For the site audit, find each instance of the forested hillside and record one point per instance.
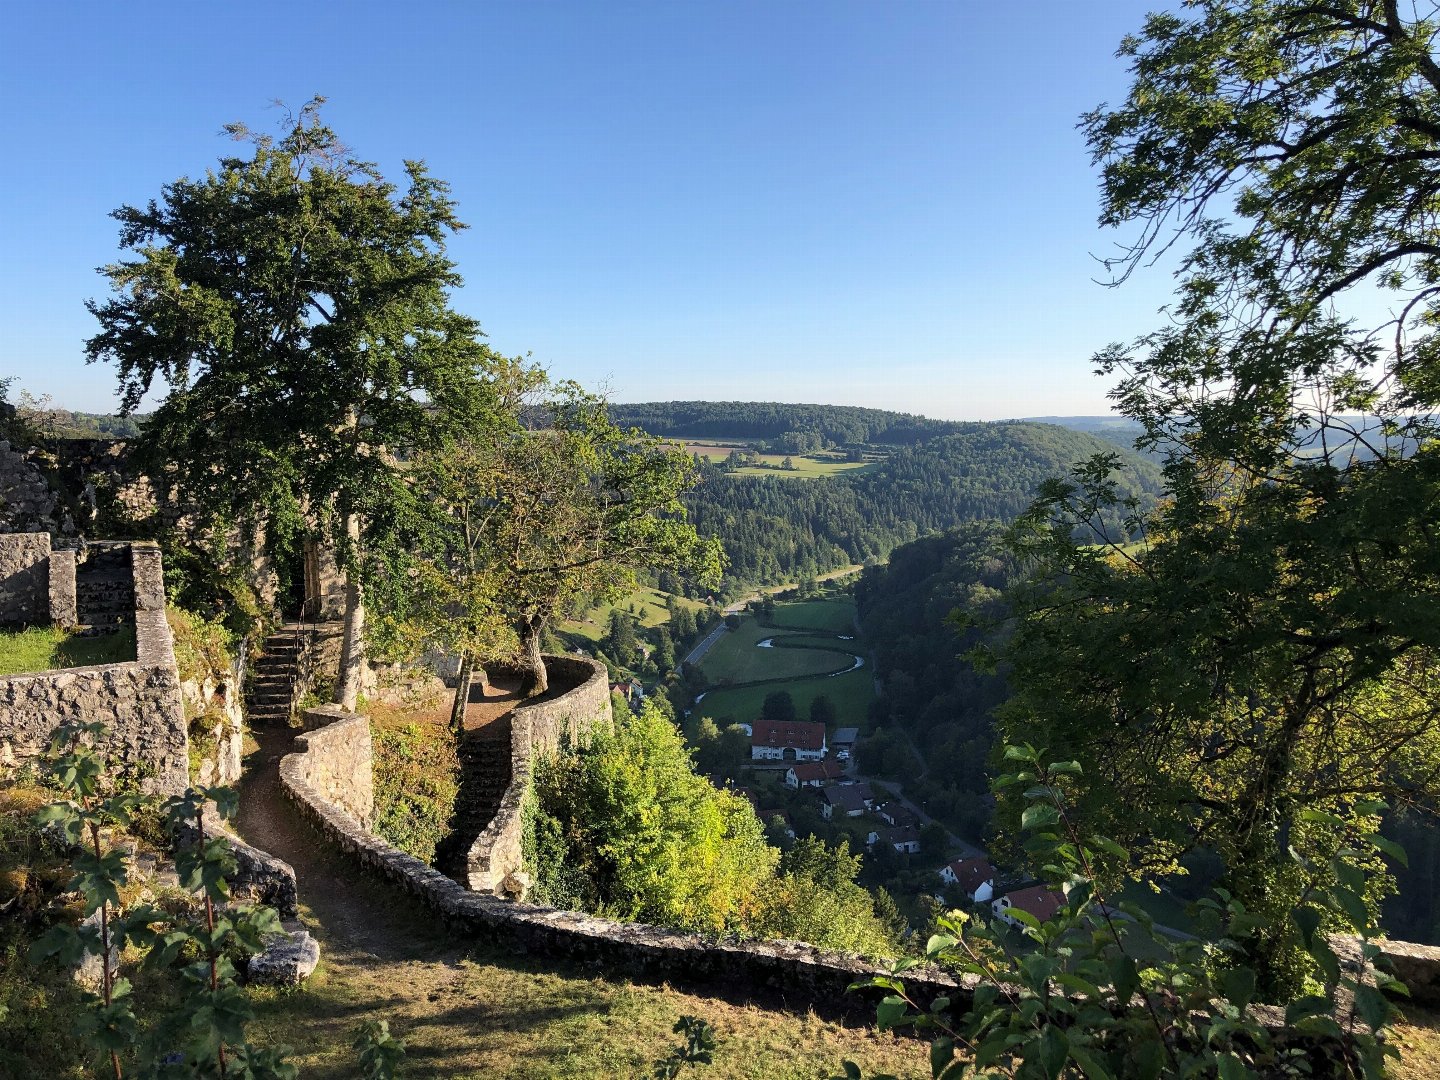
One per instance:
(776, 530)
(837, 425)
(929, 691)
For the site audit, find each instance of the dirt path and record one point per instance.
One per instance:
(357, 916)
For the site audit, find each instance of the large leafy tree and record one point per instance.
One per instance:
(1263, 664)
(293, 307)
(568, 510)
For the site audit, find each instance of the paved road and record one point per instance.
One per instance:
(695, 654)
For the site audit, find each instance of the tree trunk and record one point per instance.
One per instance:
(534, 680)
(352, 645)
(462, 695)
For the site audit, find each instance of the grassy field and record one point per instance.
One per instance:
(807, 466)
(42, 648)
(736, 658)
(850, 692)
(650, 604)
(837, 615)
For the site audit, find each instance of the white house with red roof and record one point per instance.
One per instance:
(795, 740)
(976, 878)
(1038, 900)
(813, 774)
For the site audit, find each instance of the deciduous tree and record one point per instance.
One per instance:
(293, 307)
(1268, 650)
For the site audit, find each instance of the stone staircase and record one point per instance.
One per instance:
(104, 591)
(484, 776)
(269, 690)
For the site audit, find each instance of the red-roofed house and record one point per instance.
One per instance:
(1039, 901)
(813, 774)
(798, 740)
(976, 878)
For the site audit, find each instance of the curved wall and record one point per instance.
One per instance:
(540, 725)
(314, 778)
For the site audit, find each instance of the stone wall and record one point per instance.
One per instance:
(337, 761)
(24, 578)
(27, 504)
(801, 974)
(138, 702)
(536, 729)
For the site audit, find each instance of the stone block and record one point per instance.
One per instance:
(288, 960)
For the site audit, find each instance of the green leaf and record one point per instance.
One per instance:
(938, 943)
(1310, 1005)
(1125, 977)
(1308, 920)
(1372, 1006)
(942, 1053)
(1039, 816)
(1389, 847)
(891, 1012)
(1238, 986)
(1053, 1051)
(1231, 1067)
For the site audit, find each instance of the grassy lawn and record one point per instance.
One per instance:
(850, 692)
(837, 615)
(42, 648)
(736, 658)
(649, 602)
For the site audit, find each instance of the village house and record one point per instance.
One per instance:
(896, 814)
(797, 740)
(1038, 900)
(847, 800)
(975, 877)
(845, 738)
(905, 840)
(813, 774)
(768, 816)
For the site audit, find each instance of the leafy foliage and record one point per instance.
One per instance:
(1095, 992)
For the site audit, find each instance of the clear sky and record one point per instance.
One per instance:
(881, 204)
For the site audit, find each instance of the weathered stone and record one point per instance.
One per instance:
(89, 972)
(288, 960)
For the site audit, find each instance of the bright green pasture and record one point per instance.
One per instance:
(850, 692)
(650, 603)
(42, 648)
(837, 615)
(737, 657)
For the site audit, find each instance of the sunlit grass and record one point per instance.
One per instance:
(43, 648)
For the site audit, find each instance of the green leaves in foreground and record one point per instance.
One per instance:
(1097, 993)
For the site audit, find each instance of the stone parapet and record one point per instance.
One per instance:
(536, 728)
(64, 612)
(337, 760)
(800, 973)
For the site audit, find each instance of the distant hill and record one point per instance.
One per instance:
(776, 530)
(838, 425)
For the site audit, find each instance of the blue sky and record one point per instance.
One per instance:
(881, 204)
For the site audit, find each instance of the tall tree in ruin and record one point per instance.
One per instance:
(293, 307)
(568, 511)
(1264, 664)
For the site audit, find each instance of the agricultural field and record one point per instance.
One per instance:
(742, 673)
(851, 693)
(806, 466)
(649, 603)
(738, 658)
(836, 615)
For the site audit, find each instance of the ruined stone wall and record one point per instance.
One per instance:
(337, 761)
(536, 729)
(27, 504)
(138, 702)
(24, 578)
(801, 973)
